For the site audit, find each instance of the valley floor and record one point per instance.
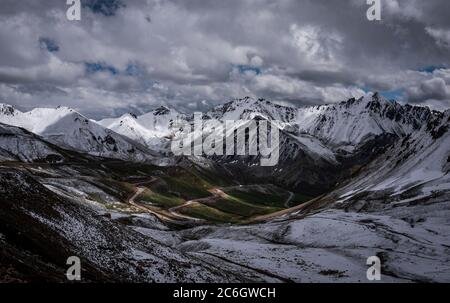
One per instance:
(50, 213)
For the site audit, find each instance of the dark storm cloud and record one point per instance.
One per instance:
(194, 54)
(435, 88)
(326, 77)
(104, 7)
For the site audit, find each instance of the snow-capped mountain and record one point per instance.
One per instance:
(318, 130)
(321, 146)
(160, 120)
(69, 129)
(346, 123)
(248, 108)
(127, 125)
(323, 133)
(353, 121)
(415, 168)
(153, 129)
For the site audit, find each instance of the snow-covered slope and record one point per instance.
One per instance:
(319, 131)
(160, 120)
(69, 129)
(248, 108)
(333, 246)
(334, 138)
(153, 129)
(346, 123)
(19, 144)
(414, 168)
(353, 121)
(128, 126)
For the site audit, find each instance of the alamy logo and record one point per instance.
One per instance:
(374, 271)
(74, 11)
(232, 137)
(74, 271)
(374, 11)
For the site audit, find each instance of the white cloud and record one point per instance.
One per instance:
(256, 61)
(188, 52)
(442, 36)
(317, 45)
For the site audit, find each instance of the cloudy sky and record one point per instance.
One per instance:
(136, 55)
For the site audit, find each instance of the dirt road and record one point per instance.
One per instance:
(172, 211)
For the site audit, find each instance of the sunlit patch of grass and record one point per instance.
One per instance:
(160, 199)
(208, 213)
(189, 186)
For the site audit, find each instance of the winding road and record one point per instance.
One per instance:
(172, 211)
(216, 193)
(173, 214)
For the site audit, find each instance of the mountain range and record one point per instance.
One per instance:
(355, 179)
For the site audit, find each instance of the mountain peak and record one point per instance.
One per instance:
(162, 110)
(127, 116)
(7, 109)
(248, 107)
(377, 97)
(61, 108)
(373, 102)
